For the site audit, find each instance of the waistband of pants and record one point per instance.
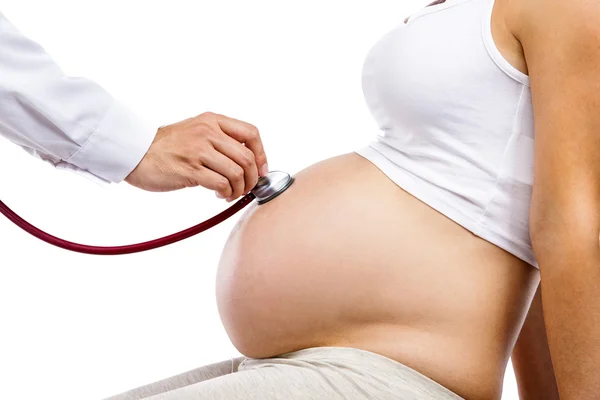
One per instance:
(368, 363)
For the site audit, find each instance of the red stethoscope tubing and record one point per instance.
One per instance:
(133, 248)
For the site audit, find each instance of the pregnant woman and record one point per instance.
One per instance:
(409, 268)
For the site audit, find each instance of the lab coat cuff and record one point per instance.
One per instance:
(82, 172)
(117, 146)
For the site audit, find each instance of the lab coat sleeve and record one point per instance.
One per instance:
(69, 122)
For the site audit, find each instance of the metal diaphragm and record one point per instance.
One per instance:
(271, 186)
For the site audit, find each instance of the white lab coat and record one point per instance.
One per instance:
(71, 123)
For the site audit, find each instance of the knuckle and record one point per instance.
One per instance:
(253, 132)
(200, 153)
(201, 149)
(238, 174)
(208, 114)
(261, 159)
(205, 131)
(248, 159)
(222, 184)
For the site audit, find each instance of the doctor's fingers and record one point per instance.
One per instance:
(211, 180)
(240, 155)
(228, 169)
(248, 134)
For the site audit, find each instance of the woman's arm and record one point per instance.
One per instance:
(561, 42)
(531, 357)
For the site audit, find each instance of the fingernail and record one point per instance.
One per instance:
(219, 195)
(229, 199)
(264, 170)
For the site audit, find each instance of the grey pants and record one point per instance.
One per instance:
(331, 373)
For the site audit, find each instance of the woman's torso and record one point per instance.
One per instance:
(456, 121)
(345, 257)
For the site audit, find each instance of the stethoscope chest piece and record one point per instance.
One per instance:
(271, 186)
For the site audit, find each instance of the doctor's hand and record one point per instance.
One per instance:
(211, 150)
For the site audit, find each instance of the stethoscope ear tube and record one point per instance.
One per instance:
(267, 188)
(133, 248)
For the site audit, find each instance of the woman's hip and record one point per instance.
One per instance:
(333, 373)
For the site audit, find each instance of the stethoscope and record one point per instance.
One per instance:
(267, 188)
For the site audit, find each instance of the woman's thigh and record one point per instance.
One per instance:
(202, 374)
(333, 373)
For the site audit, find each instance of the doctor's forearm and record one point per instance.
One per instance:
(76, 125)
(69, 122)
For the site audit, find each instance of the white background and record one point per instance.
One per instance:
(74, 326)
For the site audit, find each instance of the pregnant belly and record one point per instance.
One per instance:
(347, 258)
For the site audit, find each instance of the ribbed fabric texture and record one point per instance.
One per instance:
(456, 121)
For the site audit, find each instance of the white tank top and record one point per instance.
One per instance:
(456, 121)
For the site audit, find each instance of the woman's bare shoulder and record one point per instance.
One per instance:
(522, 16)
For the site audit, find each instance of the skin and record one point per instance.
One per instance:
(210, 150)
(298, 273)
(393, 297)
(456, 325)
(562, 48)
(531, 359)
